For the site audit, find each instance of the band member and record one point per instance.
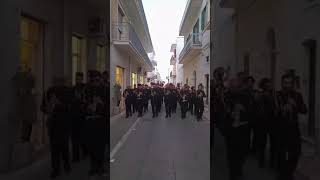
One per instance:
(96, 124)
(174, 100)
(199, 103)
(159, 97)
(56, 105)
(127, 94)
(236, 126)
(154, 102)
(77, 110)
(184, 102)
(134, 99)
(146, 95)
(168, 97)
(289, 103)
(192, 104)
(266, 125)
(140, 100)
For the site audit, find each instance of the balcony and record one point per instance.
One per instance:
(125, 37)
(173, 60)
(192, 48)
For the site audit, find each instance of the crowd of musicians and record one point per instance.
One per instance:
(77, 115)
(262, 122)
(190, 99)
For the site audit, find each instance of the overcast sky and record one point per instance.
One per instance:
(164, 18)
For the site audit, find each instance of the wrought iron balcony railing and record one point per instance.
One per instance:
(193, 41)
(125, 32)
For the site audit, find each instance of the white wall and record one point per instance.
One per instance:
(180, 45)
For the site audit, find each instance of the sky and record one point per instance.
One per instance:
(164, 18)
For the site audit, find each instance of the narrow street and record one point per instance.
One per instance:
(162, 148)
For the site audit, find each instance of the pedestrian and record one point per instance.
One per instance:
(140, 99)
(199, 103)
(184, 102)
(266, 123)
(289, 104)
(127, 94)
(192, 104)
(168, 97)
(236, 127)
(154, 102)
(96, 124)
(56, 106)
(77, 110)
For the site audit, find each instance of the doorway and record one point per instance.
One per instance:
(32, 58)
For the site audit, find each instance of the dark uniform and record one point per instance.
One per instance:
(199, 104)
(140, 102)
(289, 147)
(159, 99)
(236, 130)
(266, 126)
(154, 103)
(184, 98)
(127, 94)
(168, 100)
(134, 100)
(77, 110)
(96, 124)
(192, 103)
(174, 100)
(56, 104)
(146, 95)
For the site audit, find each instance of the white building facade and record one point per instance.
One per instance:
(130, 45)
(195, 56)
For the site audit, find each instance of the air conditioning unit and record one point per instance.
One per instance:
(97, 27)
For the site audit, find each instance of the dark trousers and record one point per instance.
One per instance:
(134, 107)
(145, 105)
(199, 111)
(168, 109)
(140, 108)
(97, 158)
(154, 110)
(289, 149)
(59, 151)
(184, 109)
(192, 107)
(128, 109)
(264, 133)
(174, 107)
(237, 143)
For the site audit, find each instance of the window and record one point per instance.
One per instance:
(101, 58)
(207, 58)
(76, 56)
(119, 76)
(141, 80)
(134, 79)
(30, 36)
(196, 32)
(203, 18)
